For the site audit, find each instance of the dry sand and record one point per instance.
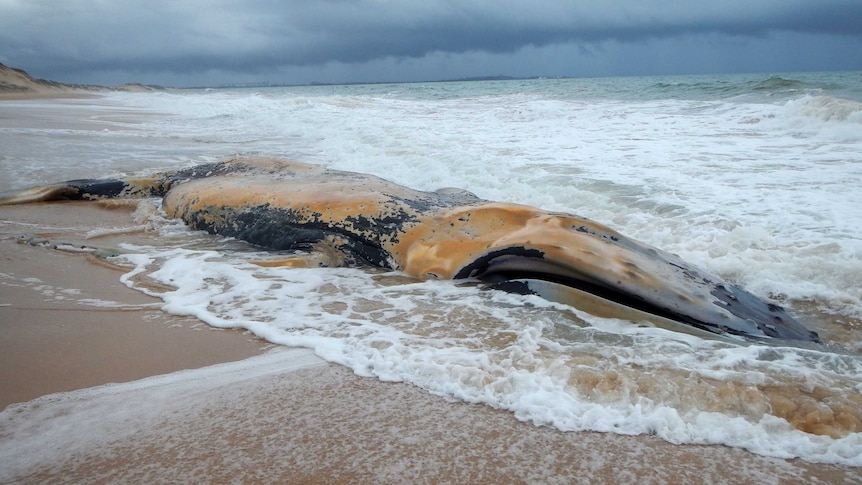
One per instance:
(283, 417)
(17, 84)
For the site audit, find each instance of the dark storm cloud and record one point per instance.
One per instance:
(188, 36)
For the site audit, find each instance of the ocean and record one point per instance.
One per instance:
(753, 177)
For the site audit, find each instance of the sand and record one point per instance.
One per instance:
(17, 84)
(52, 342)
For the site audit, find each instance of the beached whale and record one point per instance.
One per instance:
(446, 234)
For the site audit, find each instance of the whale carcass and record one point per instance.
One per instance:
(445, 234)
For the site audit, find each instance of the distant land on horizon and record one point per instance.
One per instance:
(18, 83)
(315, 83)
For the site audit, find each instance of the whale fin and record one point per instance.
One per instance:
(601, 307)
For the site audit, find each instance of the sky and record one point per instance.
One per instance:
(187, 43)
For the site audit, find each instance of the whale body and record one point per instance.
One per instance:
(446, 234)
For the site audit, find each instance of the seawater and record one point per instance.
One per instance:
(753, 177)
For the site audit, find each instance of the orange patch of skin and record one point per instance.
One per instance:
(444, 243)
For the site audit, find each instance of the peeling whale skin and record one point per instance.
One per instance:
(446, 234)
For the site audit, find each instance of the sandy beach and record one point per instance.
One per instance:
(129, 411)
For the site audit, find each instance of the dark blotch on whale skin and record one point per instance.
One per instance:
(585, 230)
(206, 170)
(285, 229)
(748, 307)
(87, 189)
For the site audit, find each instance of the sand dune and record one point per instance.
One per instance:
(17, 84)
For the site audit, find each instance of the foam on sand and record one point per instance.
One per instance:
(287, 417)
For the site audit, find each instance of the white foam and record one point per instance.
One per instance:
(487, 347)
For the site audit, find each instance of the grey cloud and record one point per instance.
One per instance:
(259, 35)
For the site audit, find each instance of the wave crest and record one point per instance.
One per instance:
(826, 108)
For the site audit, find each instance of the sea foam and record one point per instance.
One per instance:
(548, 365)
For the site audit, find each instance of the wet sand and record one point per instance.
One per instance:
(69, 323)
(276, 416)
